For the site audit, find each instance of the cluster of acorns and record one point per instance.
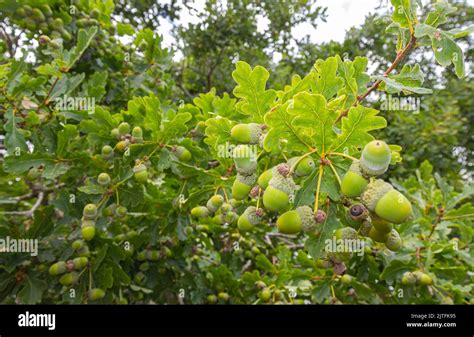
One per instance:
(41, 18)
(416, 277)
(381, 205)
(69, 269)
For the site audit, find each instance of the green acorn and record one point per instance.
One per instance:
(292, 222)
(140, 173)
(80, 262)
(58, 268)
(89, 212)
(380, 224)
(244, 159)
(200, 212)
(279, 192)
(353, 183)
(389, 204)
(226, 207)
(365, 227)
(124, 128)
(212, 299)
(265, 295)
(38, 15)
(242, 186)
(94, 14)
(122, 145)
(377, 236)
(249, 219)
(346, 233)
(78, 244)
(215, 202)
(83, 251)
(107, 152)
(375, 158)
(69, 278)
(264, 178)
(304, 168)
(88, 229)
(422, 278)
(46, 10)
(246, 133)
(115, 133)
(230, 217)
(393, 242)
(182, 153)
(137, 135)
(104, 179)
(58, 23)
(346, 279)
(408, 278)
(66, 35)
(152, 255)
(120, 211)
(96, 294)
(223, 296)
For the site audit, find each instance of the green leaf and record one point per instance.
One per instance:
(297, 85)
(409, 79)
(315, 244)
(326, 82)
(22, 163)
(264, 263)
(404, 12)
(104, 277)
(394, 86)
(32, 291)
(279, 122)
(439, 15)
(14, 138)
(91, 188)
(354, 78)
(84, 38)
(175, 127)
(395, 269)
(446, 51)
(255, 100)
(356, 127)
(218, 131)
(313, 119)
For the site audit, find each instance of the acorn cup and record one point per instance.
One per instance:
(279, 192)
(375, 158)
(305, 166)
(294, 221)
(386, 202)
(353, 183)
(89, 212)
(249, 219)
(104, 179)
(182, 153)
(246, 133)
(394, 241)
(242, 186)
(124, 128)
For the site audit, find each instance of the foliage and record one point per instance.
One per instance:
(162, 158)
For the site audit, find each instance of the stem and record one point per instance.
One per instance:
(454, 217)
(318, 188)
(400, 56)
(342, 155)
(335, 173)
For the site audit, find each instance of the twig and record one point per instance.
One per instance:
(32, 210)
(400, 56)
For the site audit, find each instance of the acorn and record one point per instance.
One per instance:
(380, 224)
(215, 202)
(244, 159)
(408, 278)
(104, 179)
(279, 192)
(200, 212)
(58, 268)
(124, 128)
(107, 152)
(365, 227)
(182, 153)
(377, 236)
(294, 221)
(69, 278)
(242, 186)
(353, 183)
(249, 219)
(140, 173)
(305, 166)
(264, 178)
(89, 212)
(120, 211)
(137, 135)
(80, 262)
(393, 242)
(375, 158)
(88, 229)
(346, 279)
(96, 294)
(345, 233)
(389, 204)
(422, 278)
(246, 133)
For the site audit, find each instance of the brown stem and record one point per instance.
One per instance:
(400, 56)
